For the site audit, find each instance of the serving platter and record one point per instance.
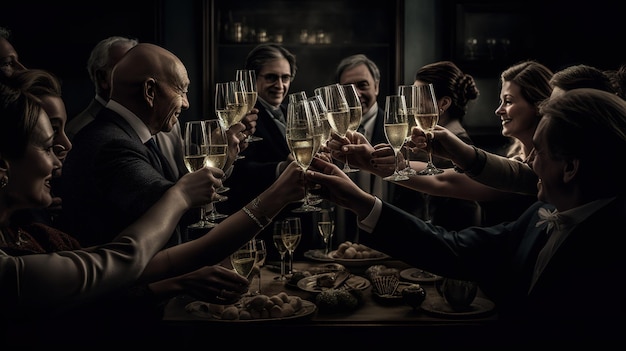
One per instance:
(437, 306)
(201, 309)
(417, 275)
(355, 282)
(357, 262)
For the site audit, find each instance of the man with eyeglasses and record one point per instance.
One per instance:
(265, 160)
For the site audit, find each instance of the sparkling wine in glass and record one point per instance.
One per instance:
(248, 77)
(325, 221)
(396, 126)
(231, 104)
(410, 96)
(216, 155)
(355, 116)
(277, 239)
(426, 118)
(291, 235)
(334, 98)
(195, 152)
(244, 258)
(301, 138)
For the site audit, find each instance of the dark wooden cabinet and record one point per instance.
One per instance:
(319, 32)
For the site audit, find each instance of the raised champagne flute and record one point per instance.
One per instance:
(248, 77)
(194, 148)
(291, 235)
(277, 239)
(410, 96)
(396, 126)
(216, 155)
(356, 114)
(426, 118)
(231, 103)
(334, 98)
(301, 138)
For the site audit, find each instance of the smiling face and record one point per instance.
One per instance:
(366, 87)
(30, 175)
(518, 116)
(171, 99)
(55, 108)
(274, 91)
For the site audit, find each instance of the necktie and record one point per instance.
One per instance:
(156, 153)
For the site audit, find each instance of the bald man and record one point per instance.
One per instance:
(111, 177)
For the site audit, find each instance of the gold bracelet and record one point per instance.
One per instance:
(256, 220)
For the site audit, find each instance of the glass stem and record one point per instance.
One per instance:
(282, 266)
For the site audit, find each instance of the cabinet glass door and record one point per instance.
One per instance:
(318, 32)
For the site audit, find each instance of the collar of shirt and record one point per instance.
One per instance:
(135, 122)
(275, 111)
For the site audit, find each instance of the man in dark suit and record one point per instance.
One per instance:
(112, 175)
(536, 268)
(364, 74)
(264, 160)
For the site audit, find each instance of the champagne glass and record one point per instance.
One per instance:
(426, 118)
(410, 96)
(325, 220)
(300, 137)
(334, 98)
(322, 124)
(322, 113)
(216, 155)
(194, 145)
(291, 234)
(261, 254)
(356, 114)
(231, 104)
(396, 126)
(248, 77)
(243, 259)
(277, 239)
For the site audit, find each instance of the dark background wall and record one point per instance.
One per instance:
(58, 36)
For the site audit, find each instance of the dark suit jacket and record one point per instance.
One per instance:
(109, 180)
(580, 294)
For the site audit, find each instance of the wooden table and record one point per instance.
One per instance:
(371, 324)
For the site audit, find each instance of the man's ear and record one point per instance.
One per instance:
(570, 169)
(149, 90)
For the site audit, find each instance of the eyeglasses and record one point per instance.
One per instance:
(273, 78)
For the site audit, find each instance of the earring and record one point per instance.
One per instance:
(440, 110)
(4, 181)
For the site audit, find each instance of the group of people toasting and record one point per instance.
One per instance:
(107, 264)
